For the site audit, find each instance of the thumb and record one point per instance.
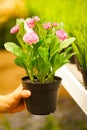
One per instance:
(24, 94)
(21, 94)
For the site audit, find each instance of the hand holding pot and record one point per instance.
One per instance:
(14, 102)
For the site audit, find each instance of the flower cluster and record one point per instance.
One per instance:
(40, 50)
(31, 37)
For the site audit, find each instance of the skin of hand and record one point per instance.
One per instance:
(14, 102)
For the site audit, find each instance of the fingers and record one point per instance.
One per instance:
(25, 93)
(21, 93)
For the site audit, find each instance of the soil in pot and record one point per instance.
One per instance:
(43, 99)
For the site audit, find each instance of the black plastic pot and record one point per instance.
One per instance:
(43, 99)
(84, 75)
(77, 62)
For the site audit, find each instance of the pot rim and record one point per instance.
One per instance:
(56, 80)
(41, 87)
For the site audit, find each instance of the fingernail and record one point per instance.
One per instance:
(28, 93)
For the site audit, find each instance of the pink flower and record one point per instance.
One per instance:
(14, 29)
(54, 24)
(47, 25)
(31, 37)
(30, 22)
(36, 18)
(61, 34)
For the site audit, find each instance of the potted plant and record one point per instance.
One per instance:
(80, 47)
(40, 53)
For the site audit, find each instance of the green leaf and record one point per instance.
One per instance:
(43, 70)
(65, 43)
(32, 63)
(59, 60)
(56, 61)
(21, 33)
(19, 21)
(20, 62)
(43, 52)
(54, 45)
(13, 48)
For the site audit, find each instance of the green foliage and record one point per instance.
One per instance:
(43, 58)
(80, 44)
(68, 11)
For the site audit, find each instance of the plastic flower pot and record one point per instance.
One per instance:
(43, 99)
(84, 75)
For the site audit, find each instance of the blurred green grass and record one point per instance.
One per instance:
(71, 12)
(68, 11)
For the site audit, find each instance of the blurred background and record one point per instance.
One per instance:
(73, 13)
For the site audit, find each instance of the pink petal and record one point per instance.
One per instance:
(61, 34)
(47, 25)
(31, 37)
(30, 22)
(14, 29)
(36, 18)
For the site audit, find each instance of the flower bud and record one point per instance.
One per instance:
(36, 18)
(30, 22)
(61, 34)
(47, 25)
(31, 37)
(14, 29)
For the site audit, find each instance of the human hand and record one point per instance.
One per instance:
(14, 102)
